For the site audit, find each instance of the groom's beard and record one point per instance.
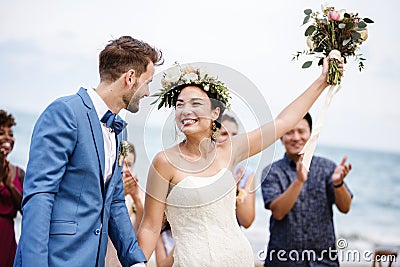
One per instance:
(133, 104)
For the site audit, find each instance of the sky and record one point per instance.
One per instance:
(50, 48)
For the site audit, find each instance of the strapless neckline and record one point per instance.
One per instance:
(221, 171)
(203, 177)
(204, 187)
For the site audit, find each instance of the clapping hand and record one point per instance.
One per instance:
(131, 185)
(4, 168)
(301, 170)
(340, 172)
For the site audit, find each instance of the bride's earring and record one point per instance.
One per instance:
(215, 131)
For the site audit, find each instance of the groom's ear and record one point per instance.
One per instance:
(130, 77)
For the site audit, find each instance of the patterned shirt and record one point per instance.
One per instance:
(309, 224)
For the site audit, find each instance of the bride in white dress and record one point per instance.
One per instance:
(192, 182)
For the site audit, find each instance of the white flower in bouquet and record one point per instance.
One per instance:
(364, 35)
(341, 13)
(325, 8)
(335, 54)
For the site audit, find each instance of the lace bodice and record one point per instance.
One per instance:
(201, 212)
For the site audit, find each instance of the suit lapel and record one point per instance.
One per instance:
(96, 132)
(118, 139)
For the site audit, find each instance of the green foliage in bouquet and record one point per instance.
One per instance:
(334, 30)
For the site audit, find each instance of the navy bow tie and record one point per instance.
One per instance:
(113, 121)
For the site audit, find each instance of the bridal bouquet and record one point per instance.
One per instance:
(335, 33)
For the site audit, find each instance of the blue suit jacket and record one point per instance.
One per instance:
(68, 212)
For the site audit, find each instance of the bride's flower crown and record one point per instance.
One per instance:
(174, 79)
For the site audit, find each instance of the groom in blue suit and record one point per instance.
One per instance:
(73, 195)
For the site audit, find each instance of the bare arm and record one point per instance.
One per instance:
(247, 145)
(283, 204)
(154, 205)
(162, 258)
(139, 212)
(342, 195)
(245, 209)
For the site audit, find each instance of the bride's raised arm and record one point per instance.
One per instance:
(248, 144)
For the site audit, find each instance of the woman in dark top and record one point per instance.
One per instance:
(11, 178)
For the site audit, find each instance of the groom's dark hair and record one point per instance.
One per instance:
(126, 53)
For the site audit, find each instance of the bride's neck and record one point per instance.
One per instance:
(197, 147)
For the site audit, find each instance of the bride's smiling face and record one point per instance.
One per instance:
(193, 111)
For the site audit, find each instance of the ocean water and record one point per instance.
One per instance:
(373, 221)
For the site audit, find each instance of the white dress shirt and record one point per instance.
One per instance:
(110, 144)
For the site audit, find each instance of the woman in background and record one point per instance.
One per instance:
(11, 179)
(245, 196)
(133, 199)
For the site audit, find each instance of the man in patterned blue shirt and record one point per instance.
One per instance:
(301, 225)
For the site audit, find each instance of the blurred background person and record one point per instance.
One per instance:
(245, 200)
(133, 199)
(301, 202)
(133, 195)
(11, 180)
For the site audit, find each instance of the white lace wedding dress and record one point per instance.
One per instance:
(201, 212)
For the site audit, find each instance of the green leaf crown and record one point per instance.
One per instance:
(177, 77)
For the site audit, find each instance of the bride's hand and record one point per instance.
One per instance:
(325, 67)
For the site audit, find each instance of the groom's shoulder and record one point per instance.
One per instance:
(67, 100)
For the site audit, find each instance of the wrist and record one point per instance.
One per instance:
(136, 198)
(339, 184)
(9, 186)
(322, 81)
(300, 182)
